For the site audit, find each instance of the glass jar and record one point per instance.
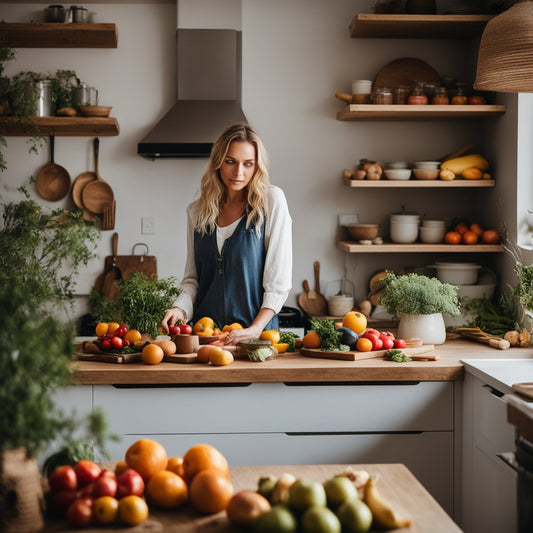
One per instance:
(440, 97)
(382, 96)
(400, 94)
(417, 96)
(460, 97)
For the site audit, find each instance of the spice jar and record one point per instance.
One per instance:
(417, 96)
(460, 97)
(440, 97)
(400, 94)
(382, 96)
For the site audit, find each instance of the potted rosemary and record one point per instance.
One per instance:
(419, 302)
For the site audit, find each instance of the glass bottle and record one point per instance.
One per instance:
(460, 97)
(417, 95)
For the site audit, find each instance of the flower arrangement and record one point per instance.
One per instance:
(415, 294)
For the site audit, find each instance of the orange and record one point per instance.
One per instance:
(203, 353)
(112, 327)
(476, 228)
(202, 457)
(175, 464)
(461, 228)
(132, 510)
(203, 323)
(220, 357)
(470, 237)
(147, 457)
(491, 236)
(132, 336)
(271, 335)
(281, 347)
(231, 327)
(120, 467)
(355, 321)
(453, 237)
(210, 491)
(101, 329)
(152, 354)
(166, 489)
(311, 340)
(105, 509)
(363, 345)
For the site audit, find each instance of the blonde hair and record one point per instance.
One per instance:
(213, 190)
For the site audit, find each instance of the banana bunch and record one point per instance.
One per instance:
(383, 513)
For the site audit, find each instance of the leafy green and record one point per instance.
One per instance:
(414, 294)
(492, 318)
(397, 356)
(290, 338)
(329, 337)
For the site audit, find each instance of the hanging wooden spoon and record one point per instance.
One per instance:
(97, 193)
(53, 181)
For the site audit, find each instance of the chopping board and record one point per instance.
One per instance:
(525, 389)
(416, 352)
(183, 358)
(405, 71)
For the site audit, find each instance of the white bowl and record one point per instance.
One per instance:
(397, 164)
(427, 165)
(403, 233)
(465, 274)
(434, 223)
(398, 173)
(432, 235)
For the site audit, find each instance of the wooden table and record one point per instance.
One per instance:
(396, 484)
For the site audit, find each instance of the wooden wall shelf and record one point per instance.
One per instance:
(60, 126)
(354, 247)
(57, 35)
(419, 184)
(418, 112)
(417, 26)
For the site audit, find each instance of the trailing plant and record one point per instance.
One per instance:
(141, 304)
(414, 294)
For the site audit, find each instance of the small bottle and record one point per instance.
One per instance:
(460, 97)
(382, 96)
(440, 97)
(417, 96)
(400, 94)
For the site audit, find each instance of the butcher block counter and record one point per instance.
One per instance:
(294, 368)
(396, 484)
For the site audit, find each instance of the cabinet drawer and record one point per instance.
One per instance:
(277, 407)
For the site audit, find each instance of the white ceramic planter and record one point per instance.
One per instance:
(429, 328)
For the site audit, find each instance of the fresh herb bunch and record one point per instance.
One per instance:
(492, 318)
(414, 294)
(397, 356)
(290, 338)
(330, 338)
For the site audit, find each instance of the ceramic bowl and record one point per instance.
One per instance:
(360, 232)
(398, 173)
(434, 223)
(403, 233)
(432, 235)
(427, 165)
(397, 164)
(422, 174)
(457, 273)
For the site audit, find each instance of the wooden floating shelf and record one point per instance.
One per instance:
(418, 184)
(418, 112)
(417, 26)
(354, 247)
(61, 126)
(58, 35)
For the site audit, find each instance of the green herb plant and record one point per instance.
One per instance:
(414, 294)
(330, 338)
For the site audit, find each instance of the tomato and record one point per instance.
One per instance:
(87, 471)
(63, 478)
(105, 510)
(185, 329)
(470, 237)
(132, 510)
(387, 341)
(476, 100)
(271, 335)
(399, 343)
(174, 330)
(355, 321)
(105, 486)
(121, 331)
(116, 342)
(491, 236)
(453, 237)
(125, 342)
(79, 514)
(58, 502)
(87, 491)
(106, 345)
(129, 482)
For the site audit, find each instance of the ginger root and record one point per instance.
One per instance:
(525, 338)
(373, 169)
(513, 337)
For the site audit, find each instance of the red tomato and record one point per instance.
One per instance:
(129, 482)
(387, 334)
(174, 330)
(106, 345)
(117, 343)
(105, 486)
(87, 491)
(387, 342)
(476, 100)
(87, 471)
(58, 502)
(125, 342)
(79, 514)
(185, 329)
(63, 478)
(399, 343)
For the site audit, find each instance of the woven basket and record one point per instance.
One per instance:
(505, 60)
(21, 493)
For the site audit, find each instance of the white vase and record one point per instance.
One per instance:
(429, 328)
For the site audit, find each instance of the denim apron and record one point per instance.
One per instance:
(230, 283)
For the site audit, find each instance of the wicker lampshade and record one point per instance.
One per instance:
(505, 61)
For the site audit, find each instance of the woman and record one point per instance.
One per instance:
(239, 242)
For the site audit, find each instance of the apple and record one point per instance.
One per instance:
(173, 330)
(63, 478)
(129, 482)
(79, 514)
(476, 100)
(106, 345)
(105, 486)
(87, 471)
(58, 502)
(399, 343)
(185, 329)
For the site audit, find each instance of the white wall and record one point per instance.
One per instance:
(296, 55)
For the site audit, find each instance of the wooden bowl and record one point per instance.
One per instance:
(186, 343)
(208, 339)
(361, 232)
(95, 110)
(422, 174)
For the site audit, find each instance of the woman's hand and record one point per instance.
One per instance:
(171, 317)
(240, 335)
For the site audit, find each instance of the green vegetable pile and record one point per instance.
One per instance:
(290, 338)
(397, 356)
(331, 339)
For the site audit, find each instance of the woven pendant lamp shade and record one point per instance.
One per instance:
(505, 61)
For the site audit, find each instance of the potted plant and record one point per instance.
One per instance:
(419, 302)
(41, 253)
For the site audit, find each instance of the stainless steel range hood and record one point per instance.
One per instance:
(208, 95)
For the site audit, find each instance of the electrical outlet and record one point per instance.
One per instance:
(148, 225)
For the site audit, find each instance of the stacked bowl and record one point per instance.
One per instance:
(404, 227)
(432, 231)
(426, 170)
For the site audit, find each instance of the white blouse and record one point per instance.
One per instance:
(277, 276)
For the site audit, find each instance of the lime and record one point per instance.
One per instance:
(318, 519)
(278, 520)
(355, 516)
(338, 490)
(304, 493)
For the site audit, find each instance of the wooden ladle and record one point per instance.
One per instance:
(53, 181)
(97, 194)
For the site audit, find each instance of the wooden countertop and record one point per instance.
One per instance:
(297, 369)
(396, 484)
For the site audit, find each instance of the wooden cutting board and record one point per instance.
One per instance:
(525, 389)
(110, 357)
(183, 358)
(416, 352)
(405, 71)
